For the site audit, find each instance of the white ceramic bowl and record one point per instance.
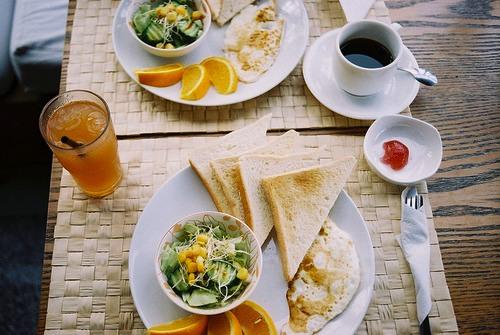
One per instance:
(201, 5)
(423, 142)
(232, 224)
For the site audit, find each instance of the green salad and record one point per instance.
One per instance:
(168, 24)
(208, 263)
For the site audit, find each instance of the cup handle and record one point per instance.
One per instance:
(396, 26)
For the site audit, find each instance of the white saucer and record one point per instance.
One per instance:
(319, 66)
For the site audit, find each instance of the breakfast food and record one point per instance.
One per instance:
(192, 324)
(234, 143)
(222, 74)
(195, 82)
(325, 283)
(252, 41)
(160, 76)
(168, 24)
(208, 263)
(229, 8)
(226, 169)
(224, 324)
(300, 202)
(396, 154)
(254, 319)
(252, 168)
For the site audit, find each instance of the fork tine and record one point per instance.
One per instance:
(421, 201)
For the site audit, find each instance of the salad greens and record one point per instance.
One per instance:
(207, 264)
(168, 24)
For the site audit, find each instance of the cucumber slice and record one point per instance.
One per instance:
(177, 282)
(221, 273)
(153, 33)
(141, 22)
(201, 297)
(242, 257)
(192, 31)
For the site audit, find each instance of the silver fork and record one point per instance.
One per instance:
(414, 200)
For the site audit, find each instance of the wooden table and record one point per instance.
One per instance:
(459, 41)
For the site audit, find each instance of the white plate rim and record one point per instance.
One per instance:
(307, 73)
(368, 276)
(261, 85)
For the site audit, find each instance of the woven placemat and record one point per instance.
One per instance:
(89, 287)
(93, 65)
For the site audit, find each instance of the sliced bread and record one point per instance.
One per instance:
(300, 202)
(229, 8)
(226, 169)
(251, 170)
(238, 141)
(215, 7)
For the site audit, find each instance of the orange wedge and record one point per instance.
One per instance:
(190, 325)
(195, 82)
(254, 319)
(223, 324)
(160, 76)
(222, 74)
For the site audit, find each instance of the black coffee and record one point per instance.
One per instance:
(366, 53)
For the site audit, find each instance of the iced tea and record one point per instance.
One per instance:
(79, 131)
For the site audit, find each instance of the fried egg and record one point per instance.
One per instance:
(325, 283)
(252, 41)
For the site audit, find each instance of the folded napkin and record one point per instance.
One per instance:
(356, 9)
(414, 241)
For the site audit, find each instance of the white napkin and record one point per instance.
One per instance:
(414, 241)
(356, 9)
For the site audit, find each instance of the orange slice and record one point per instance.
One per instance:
(195, 82)
(254, 319)
(222, 74)
(160, 76)
(190, 325)
(223, 324)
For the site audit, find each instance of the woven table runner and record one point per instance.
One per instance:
(93, 65)
(89, 286)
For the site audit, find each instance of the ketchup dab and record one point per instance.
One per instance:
(395, 154)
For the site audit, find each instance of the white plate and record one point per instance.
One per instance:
(184, 194)
(319, 66)
(131, 56)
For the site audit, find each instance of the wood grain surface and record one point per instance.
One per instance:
(459, 41)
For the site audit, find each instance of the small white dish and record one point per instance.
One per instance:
(230, 223)
(421, 138)
(319, 65)
(201, 5)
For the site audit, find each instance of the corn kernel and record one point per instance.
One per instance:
(197, 15)
(170, 7)
(202, 239)
(169, 46)
(191, 267)
(203, 252)
(181, 10)
(182, 257)
(200, 267)
(199, 260)
(188, 261)
(242, 274)
(189, 252)
(191, 279)
(161, 11)
(171, 16)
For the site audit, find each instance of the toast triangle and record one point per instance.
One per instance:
(241, 140)
(251, 170)
(226, 169)
(300, 202)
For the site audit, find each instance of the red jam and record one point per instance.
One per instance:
(395, 154)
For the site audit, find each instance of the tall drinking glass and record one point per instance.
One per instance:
(78, 129)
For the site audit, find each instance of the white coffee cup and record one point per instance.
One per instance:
(364, 81)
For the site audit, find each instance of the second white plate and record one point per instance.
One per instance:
(131, 56)
(184, 194)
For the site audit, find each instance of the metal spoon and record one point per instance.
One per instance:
(421, 75)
